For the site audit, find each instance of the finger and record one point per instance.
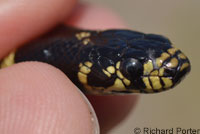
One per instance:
(113, 22)
(94, 17)
(110, 110)
(22, 20)
(38, 98)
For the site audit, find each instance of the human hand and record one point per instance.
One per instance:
(38, 98)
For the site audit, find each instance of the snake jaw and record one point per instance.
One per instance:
(165, 71)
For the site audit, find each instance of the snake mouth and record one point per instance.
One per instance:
(165, 78)
(157, 83)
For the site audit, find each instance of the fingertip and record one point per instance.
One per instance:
(36, 97)
(94, 17)
(23, 20)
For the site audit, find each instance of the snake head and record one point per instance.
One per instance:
(153, 65)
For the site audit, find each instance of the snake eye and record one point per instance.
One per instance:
(131, 68)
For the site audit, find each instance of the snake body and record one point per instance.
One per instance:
(113, 61)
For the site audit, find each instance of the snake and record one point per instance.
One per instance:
(107, 62)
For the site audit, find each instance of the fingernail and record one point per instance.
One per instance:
(93, 115)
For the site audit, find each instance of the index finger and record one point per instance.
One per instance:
(22, 20)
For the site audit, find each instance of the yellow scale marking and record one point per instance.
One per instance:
(119, 74)
(185, 65)
(172, 51)
(8, 60)
(80, 65)
(168, 82)
(82, 35)
(118, 65)
(161, 59)
(86, 41)
(147, 84)
(154, 72)
(88, 64)
(182, 56)
(173, 63)
(161, 71)
(148, 67)
(117, 86)
(155, 82)
(106, 73)
(82, 78)
(126, 81)
(111, 69)
(85, 70)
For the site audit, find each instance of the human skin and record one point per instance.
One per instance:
(37, 98)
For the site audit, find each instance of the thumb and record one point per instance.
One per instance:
(36, 98)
